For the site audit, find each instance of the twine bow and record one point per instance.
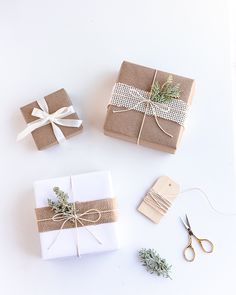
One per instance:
(77, 214)
(53, 119)
(76, 217)
(175, 111)
(149, 104)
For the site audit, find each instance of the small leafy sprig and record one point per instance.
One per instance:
(154, 263)
(62, 205)
(165, 92)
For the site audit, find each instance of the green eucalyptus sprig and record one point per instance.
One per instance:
(61, 205)
(165, 92)
(153, 263)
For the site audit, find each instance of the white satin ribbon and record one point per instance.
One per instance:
(53, 119)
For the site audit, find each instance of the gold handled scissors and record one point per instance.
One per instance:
(205, 244)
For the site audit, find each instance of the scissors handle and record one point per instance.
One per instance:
(189, 253)
(206, 245)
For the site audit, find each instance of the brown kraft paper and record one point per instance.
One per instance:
(44, 136)
(126, 125)
(102, 205)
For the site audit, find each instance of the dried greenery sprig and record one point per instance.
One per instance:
(154, 263)
(165, 92)
(62, 205)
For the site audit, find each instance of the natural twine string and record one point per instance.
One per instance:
(76, 218)
(161, 204)
(148, 102)
(203, 193)
(157, 201)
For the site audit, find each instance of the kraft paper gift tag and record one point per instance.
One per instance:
(159, 198)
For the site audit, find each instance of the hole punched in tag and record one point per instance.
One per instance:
(159, 199)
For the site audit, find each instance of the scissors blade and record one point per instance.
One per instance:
(183, 222)
(187, 220)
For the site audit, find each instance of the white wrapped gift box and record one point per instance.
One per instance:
(86, 187)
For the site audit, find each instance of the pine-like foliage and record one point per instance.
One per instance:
(154, 263)
(165, 92)
(61, 205)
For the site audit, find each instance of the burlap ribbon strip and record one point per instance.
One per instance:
(84, 214)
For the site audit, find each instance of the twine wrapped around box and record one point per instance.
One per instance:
(136, 114)
(132, 98)
(75, 215)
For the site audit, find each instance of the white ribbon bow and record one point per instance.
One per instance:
(53, 119)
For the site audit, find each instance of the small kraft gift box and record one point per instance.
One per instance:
(76, 215)
(50, 120)
(149, 107)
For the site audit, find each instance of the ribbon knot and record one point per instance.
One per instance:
(131, 98)
(75, 216)
(56, 118)
(149, 104)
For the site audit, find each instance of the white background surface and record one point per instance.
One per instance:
(79, 45)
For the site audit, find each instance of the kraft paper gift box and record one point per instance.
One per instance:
(90, 191)
(126, 118)
(46, 135)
